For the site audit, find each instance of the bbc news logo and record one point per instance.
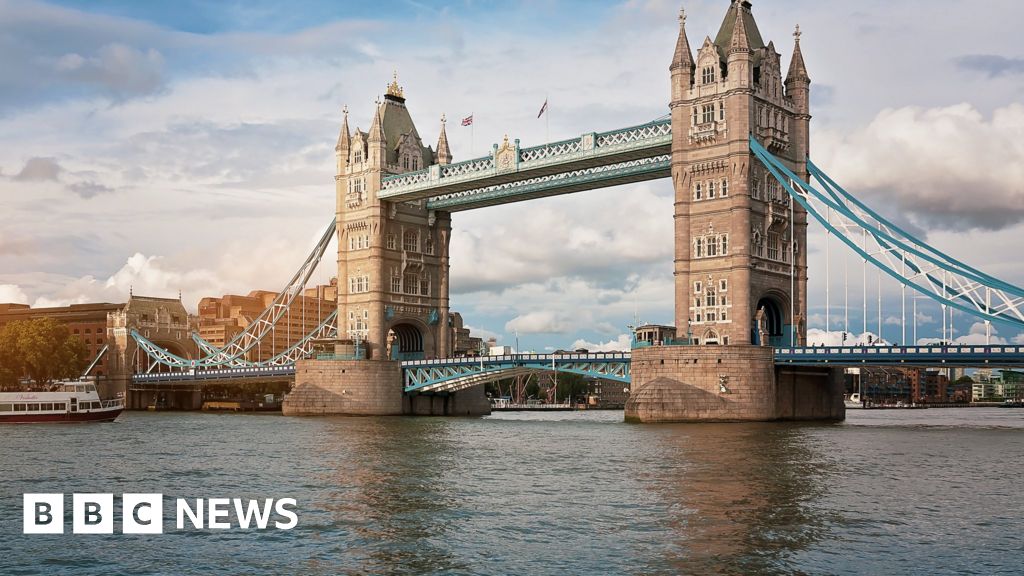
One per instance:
(144, 514)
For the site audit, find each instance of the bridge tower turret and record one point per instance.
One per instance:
(392, 256)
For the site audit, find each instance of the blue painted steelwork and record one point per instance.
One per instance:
(215, 374)
(511, 165)
(232, 354)
(901, 256)
(326, 329)
(914, 356)
(553, 184)
(453, 374)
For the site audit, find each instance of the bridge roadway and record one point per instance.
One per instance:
(454, 374)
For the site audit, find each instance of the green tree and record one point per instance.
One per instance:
(42, 349)
(571, 386)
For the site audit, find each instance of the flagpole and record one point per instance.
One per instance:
(547, 119)
(472, 129)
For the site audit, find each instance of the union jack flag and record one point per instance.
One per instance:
(468, 120)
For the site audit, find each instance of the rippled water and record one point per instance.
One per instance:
(887, 492)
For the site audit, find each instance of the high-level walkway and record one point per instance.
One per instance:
(511, 174)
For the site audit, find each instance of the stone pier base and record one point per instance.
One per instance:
(345, 387)
(728, 384)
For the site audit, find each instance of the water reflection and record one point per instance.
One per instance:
(741, 497)
(387, 494)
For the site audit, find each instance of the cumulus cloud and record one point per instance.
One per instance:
(992, 65)
(13, 294)
(818, 337)
(620, 344)
(39, 170)
(975, 336)
(947, 167)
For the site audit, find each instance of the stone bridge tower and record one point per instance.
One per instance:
(392, 256)
(741, 258)
(740, 244)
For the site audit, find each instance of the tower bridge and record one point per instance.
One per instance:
(736, 146)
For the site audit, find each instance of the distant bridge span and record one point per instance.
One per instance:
(447, 375)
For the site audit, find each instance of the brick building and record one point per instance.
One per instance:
(221, 319)
(86, 321)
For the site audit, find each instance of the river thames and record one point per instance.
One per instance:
(887, 492)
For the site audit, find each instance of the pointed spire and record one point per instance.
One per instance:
(376, 133)
(797, 69)
(443, 155)
(344, 138)
(683, 58)
(740, 42)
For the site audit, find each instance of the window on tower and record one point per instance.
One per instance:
(698, 192)
(723, 190)
(412, 284)
(411, 241)
(707, 75)
(708, 112)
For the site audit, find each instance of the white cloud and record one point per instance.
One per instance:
(620, 344)
(1019, 338)
(975, 336)
(818, 337)
(13, 294)
(947, 166)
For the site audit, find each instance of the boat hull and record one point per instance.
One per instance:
(61, 418)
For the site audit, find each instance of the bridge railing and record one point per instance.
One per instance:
(506, 358)
(592, 144)
(988, 349)
(213, 374)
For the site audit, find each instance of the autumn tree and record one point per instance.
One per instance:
(42, 349)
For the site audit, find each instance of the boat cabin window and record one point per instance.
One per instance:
(19, 407)
(5, 407)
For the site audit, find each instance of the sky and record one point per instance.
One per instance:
(188, 146)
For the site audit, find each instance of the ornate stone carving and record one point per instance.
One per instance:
(505, 156)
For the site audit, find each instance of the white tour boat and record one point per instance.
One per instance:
(68, 402)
